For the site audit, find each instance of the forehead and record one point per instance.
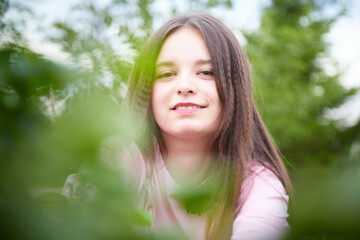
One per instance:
(184, 44)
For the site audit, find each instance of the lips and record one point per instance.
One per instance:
(187, 106)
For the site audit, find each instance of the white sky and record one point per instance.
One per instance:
(344, 38)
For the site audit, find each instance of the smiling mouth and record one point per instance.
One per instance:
(187, 106)
(181, 107)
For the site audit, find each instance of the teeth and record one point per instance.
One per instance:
(187, 107)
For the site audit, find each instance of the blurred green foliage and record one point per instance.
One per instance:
(293, 92)
(39, 149)
(327, 203)
(37, 154)
(292, 88)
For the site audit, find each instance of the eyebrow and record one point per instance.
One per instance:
(165, 63)
(170, 64)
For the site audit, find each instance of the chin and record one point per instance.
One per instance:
(191, 133)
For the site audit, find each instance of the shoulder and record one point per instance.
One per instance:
(261, 181)
(129, 159)
(263, 206)
(115, 155)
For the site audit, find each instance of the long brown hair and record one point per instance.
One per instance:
(241, 137)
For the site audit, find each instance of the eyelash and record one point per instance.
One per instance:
(165, 75)
(208, 73)
(170, 74)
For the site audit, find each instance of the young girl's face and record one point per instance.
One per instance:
(185, 101)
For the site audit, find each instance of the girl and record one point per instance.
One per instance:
(191, 87)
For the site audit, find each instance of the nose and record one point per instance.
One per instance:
(185, 86)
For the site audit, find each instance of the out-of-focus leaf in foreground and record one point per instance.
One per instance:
(38, 154)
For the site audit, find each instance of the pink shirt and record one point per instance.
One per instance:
(263, 198)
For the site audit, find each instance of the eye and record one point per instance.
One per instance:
(207, 73)
(165, 75)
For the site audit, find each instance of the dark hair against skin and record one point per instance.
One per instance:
(241, 137)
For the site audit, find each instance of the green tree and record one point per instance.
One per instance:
(293, 92)
(292, 89)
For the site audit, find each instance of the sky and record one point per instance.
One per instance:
(344, 39)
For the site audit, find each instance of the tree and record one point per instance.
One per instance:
(292, 89)
(293, 92)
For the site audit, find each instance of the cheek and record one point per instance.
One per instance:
(214, 95)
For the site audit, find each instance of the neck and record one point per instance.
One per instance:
(187, 161)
